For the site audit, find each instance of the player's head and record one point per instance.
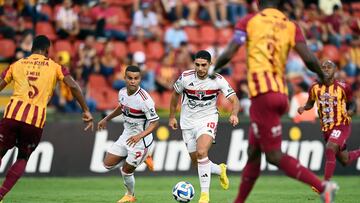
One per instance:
(202, 63)
(328, 68)
(268, 3)
(132, 78)
(41, 45)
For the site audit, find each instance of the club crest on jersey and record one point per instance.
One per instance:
(126, 110)
(200, 94)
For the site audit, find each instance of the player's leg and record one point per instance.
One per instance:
(203, 145)
(112, 161)
(28, 137)
(250, 173)
(346, 158)
(215, 168)
(330, 159)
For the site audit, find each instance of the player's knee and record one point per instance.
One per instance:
(344, 161)
(273, 158)
(108, 167)
(332, 146)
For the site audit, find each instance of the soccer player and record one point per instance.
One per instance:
(34, 79)
(140, 120)
(199, 117)
(335, 104)
(269, 35)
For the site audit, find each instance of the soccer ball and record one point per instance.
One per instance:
(183, 192)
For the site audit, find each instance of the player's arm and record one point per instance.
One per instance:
(310, 60)
(77, 93)
(3, 84)
(135, 139)
(116, 112)
(309, 104)
(351, 107)
(226, 56)
(234, 120)
(173, 104)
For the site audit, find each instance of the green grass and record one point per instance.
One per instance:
(269, 189)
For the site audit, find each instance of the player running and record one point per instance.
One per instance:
(335, 106)
(140, 120)
(269, 35)
(199, 117)
(35, 78)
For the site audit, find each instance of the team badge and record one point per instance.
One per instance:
(200, 94)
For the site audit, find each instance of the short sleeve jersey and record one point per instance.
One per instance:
(34, 79)
(138, 111)
(199, 97)
(269, 36)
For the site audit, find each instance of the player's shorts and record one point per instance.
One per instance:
(338, 135)
(134, 155)
(206, 127)
(265, 112)
(18, 134)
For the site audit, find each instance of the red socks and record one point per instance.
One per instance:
(249, 175)
(13, 174)
(353, 155)
(330, 163)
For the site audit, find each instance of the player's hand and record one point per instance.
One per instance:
(234, 120)
(173, 123)
(101, 125)
(88, 119)
(133, 140)
(301, 110)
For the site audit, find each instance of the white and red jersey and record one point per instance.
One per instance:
(199, 97)
(138, 111)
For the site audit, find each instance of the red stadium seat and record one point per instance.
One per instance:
(152, 64)
(207, 34)
(193, 35)
(120, 3)
(136, 46)
(45, 28)
(224, 35)
(120, 49)
(46, 9)
(330, 52)
(239, 71)
(240, 55)
(154, 50)
(7, 48)
(64, 45)
(123, 16)
(102, 93)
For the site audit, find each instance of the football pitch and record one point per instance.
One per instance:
(268, 189)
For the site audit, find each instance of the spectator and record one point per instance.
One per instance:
(108, 60)
(183, 57)
(184, 11)
(214, 6)
(237, 9)
(174, 36)
(166, 74)
(334, 24)
(299, 99)
(24, 48)
(87, 59)
(32, 10)
(67, 21)
(107, 22)
(87, 22)
(327, 6)
(10, 20)
(145, 24)
(148, 76)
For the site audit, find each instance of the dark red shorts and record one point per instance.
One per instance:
(265, 113)
(338, 135)
(19, 134)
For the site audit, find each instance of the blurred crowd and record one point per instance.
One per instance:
(97, 39)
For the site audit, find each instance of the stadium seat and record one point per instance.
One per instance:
(120, 49)
(102, 93)
(123, 16)
(46, 9)
(45, 28)
(152, 64)
(240, 55)
(64, 45)
(224, 35)
(121, 3)
(330, 52)
(154, 50)
(193, 35)
(134, 46)
(207, 34)
(99, 46)
(239, 71)
(7, 48)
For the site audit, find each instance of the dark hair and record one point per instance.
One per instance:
(133, 69)
(40, 43)
(267, 3)
(203, 54)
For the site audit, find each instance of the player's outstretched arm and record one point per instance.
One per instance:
(173, 104)
(310, 60)
(76, 92)
(226, 56)
(116, 112)
(136, 138)
(2, 84)
(309, 104)
(234, 119)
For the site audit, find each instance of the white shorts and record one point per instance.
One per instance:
(190, 136)
(134, 155)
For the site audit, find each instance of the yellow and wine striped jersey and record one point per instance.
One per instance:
(34, 79)
(331, 101)
(269, 37)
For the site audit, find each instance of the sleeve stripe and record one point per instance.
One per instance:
(154, 119)
(176, 88)
(231, 93)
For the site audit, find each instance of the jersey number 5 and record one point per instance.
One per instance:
(34, 91)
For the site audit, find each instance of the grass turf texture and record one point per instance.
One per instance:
(268, 189)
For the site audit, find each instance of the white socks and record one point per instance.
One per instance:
(129, 182)
(204, 171)
(215, 168)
